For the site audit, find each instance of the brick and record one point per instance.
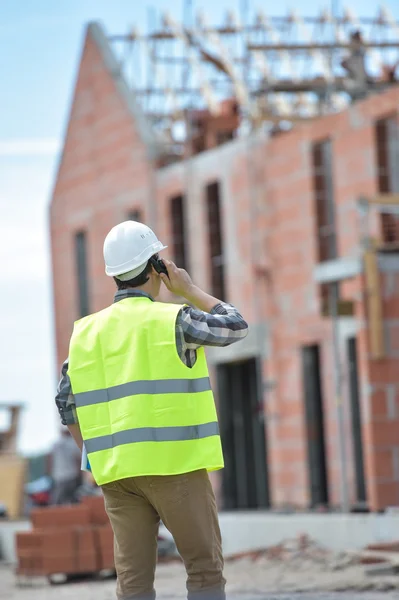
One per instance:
(378, 404)
(96, 506)
(60, 516)
(69, 551)
(30, 564)
(393, 335)
(371, 560)
(387, 494)
(87, 551)
(87, 563)
(390, 310)
(46, 552)
(58, 543)
(105, 544)
(383, 461)
(386, 433)
(59, 564)
(28, 539)
(384, 547)
(383, 371)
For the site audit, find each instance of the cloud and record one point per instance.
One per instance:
(29, 147)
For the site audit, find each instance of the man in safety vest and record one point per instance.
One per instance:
(136, 392)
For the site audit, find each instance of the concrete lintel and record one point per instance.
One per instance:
(337, 270)
(388, 263)
(255, 344)
(391, 209)
(209, 160)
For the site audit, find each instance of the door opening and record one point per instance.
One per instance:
(245, 476)
(361, 493)
(312, 392)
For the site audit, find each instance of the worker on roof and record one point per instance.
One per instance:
(135, 390)
(355, 66)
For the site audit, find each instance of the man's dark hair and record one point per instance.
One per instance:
(136, 281)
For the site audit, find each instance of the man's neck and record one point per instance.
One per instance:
(131, 293)
(143, 290)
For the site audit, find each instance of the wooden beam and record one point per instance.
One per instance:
(206, 89)
(374, 305)
(320, 46)
(224, 63)
(387, 199)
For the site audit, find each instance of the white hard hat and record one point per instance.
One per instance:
(127, 249)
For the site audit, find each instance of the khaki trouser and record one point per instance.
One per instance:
(186, 504)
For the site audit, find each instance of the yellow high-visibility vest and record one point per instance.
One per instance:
(141, 411)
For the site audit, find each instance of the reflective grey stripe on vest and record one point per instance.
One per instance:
(157, 386)
(152, 434)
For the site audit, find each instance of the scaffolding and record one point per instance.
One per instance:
(275, 71)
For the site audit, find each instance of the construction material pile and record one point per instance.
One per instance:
(67, 540)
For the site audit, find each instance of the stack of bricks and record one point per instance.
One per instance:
(68, 540)
(104, 536)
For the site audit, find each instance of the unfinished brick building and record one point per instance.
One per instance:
(289, 226)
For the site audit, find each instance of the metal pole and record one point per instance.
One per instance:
(333, 305)
(334, 16)
(188, 145)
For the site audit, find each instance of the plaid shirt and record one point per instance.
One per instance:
(194, 328)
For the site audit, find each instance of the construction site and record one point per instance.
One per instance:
(264, 152)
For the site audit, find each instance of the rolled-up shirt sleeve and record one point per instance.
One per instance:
(65, 399)
(223, 326)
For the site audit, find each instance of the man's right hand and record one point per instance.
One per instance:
(178, 280)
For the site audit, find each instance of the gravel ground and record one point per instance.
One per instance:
(247, 580)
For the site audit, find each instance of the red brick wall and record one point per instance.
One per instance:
(382, 424)
(268, 220)
(295, 313)
(104, 173)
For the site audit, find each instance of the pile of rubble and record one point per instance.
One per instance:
(299, 550)
(302, 564)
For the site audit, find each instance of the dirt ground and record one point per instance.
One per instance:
(263, 579)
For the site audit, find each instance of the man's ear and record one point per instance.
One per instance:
(152, 267)
(154, 271)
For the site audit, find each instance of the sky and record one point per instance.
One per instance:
(40, 45)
